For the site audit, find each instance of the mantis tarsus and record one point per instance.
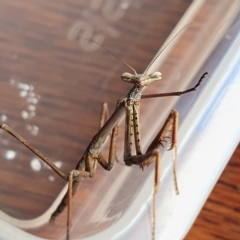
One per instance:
(128, 105)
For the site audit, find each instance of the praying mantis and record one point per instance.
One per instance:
(130, 107)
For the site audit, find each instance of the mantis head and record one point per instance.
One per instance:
(141, 79)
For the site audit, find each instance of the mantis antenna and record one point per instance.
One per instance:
(145, 72)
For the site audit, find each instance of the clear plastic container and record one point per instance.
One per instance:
(117, 204)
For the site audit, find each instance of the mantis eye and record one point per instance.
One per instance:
(127, 77)
(156, 75)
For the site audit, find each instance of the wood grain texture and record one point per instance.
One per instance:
(220, 217)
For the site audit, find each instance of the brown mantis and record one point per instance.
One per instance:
(86, 167)
(129, 106)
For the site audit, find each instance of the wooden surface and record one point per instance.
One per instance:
(220, 216)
